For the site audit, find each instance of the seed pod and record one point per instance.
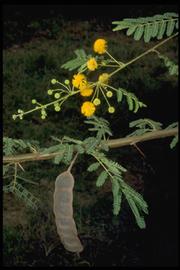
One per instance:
(63, 210)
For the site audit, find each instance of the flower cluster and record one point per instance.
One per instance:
(80, 84)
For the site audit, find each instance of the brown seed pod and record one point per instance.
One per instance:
(63, 210)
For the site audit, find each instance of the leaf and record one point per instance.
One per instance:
(139, 219)
(117, 200)
(174, 142)
(130, 102)
(154, 29)
(139, 32)
(68, 154)
(131, 30)
(79, 61)
(147, 32)
(136, 107)
(162, 29)
(58, 159)
(22, 193)
(170, 27)
(93, 167)
(119, 95)
(101, 178)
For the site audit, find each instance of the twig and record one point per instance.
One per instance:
(114, 143)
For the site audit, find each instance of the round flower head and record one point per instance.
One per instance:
(103, 78)
(78, 79)
(97, 101)
(86, 90)
(100, 46)
(92, 64)
(111, 109)
(88, 108)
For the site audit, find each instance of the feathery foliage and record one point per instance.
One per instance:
(22, 193)
(149, 27)
(12, 146)
(175, 139)
(171, 66)
(79, 62)
(133, 103)
(143, 126)
(114, 171)
(101, 126)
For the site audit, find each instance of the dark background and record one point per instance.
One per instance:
(159, 241)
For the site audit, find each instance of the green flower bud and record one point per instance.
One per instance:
(97, 101)
(57, 95)
(53, 81)
(66, 82)
(109, 94)
(33, 101)
(57, 108)
(50, 92)
(111, 109)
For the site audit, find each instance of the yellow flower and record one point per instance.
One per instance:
(86, 90)
(78, 79)
(103, 78)
(88, 108)
(92, 64)
(100, 46)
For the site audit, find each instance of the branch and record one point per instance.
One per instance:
(114, 143)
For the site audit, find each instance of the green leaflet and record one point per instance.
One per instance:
(68, 154)
(139, 32)
(117, 200)
(170, 27)
(154, 29)
(162, 29)
(93, 167)
(90, 144)
(58, 159)
(79, 148)
(136, 107)
(119, 95)
(147, 32)
(174, 142)
(131, 30)
(78, 62)
(101, 178)
(139, 219)
(130, 102)
(101, 126)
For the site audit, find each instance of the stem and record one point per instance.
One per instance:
(114, 143)
(72, 162)
(112, 58)
(143, 54)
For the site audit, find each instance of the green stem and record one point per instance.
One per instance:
(143, 54)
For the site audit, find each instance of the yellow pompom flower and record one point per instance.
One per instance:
(92, 64)
(103, 78)
(86, 90)
(100, 46)
(78, 79)
(88, 108)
